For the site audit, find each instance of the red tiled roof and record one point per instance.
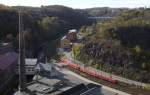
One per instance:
(7, 59)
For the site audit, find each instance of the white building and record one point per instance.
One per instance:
(30, 64)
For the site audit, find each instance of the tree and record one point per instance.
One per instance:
(76, 50)
(52, 27)
(137, 50)
(122, 44)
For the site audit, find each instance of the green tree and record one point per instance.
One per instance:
(52, 27)
(76, 50)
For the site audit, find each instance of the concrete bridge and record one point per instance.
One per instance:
(102, 18)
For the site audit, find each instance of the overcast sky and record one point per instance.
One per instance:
(80, 3)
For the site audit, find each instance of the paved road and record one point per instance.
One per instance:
(121, 79)
(79, 79)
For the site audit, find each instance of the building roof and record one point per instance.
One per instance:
(3, 44)
(72, 30)
(5, 48)
(44, 85)
(82, 89)
(31, 61)
(50, 69)
(7, 59)
(21, 93)
(46, 67)
(93, 91)
(64, 37)
(50, 82)
(38, 87)
(77, 90)
(42, 66)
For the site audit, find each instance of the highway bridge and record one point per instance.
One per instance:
(102, 18)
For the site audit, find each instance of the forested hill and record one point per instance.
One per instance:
(120, 46)
(42, 24)
(75, 18)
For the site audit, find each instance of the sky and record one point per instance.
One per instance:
(80, 3)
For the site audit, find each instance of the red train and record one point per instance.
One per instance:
(89, 72)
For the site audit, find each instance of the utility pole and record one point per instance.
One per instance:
(22, 70)
(21, 61)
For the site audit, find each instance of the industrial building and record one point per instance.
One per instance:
(8, 61)
(67, 41)
(82, 89)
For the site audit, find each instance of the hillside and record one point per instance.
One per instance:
(42, 24)
(120, 46)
